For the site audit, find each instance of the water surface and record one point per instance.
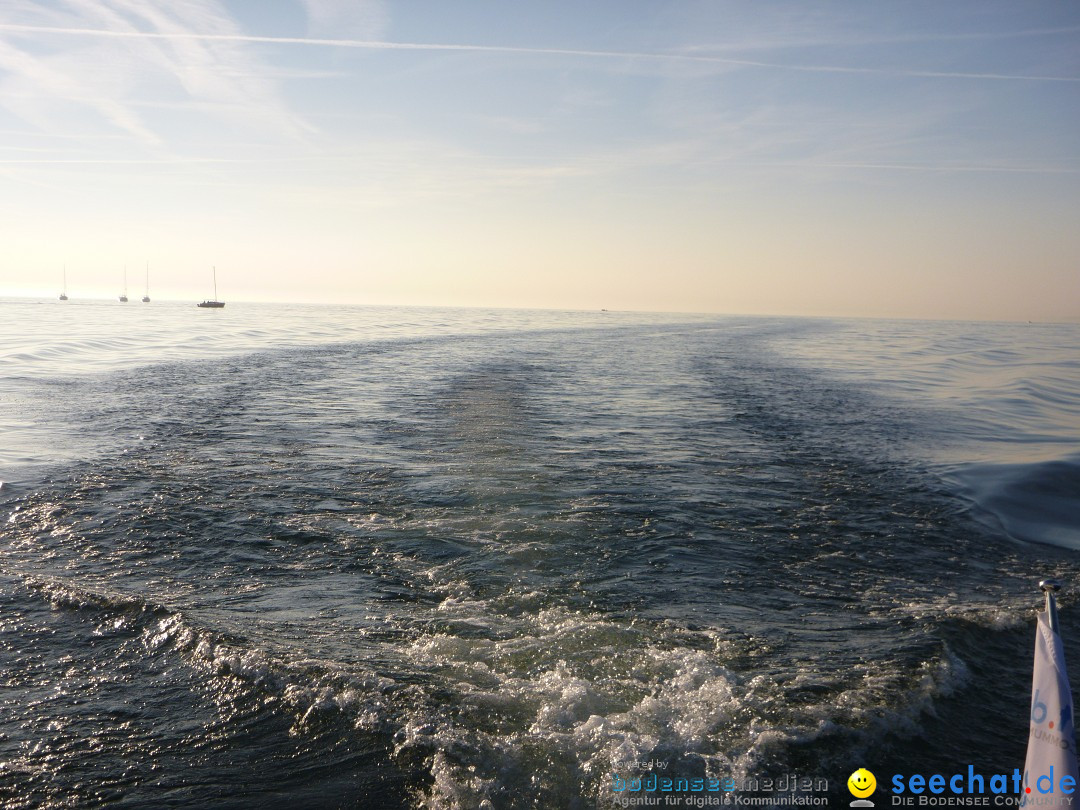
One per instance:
(356, 557)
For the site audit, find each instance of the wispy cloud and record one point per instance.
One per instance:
(937, 168)
(802, 42)
(682, 56)
(188, 50)
(119, 161)
(365, 19)
(50, 81)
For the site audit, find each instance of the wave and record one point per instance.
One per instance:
(506, 703)
(83, 337)
(1035, 503)
(997, 393)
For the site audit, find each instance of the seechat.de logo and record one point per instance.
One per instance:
(861, 784)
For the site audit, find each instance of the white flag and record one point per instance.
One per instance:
(1050, 769)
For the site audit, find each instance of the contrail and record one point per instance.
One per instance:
(378, 45)
(935, 168)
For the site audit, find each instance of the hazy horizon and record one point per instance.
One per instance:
(191, 300)
(894, 160)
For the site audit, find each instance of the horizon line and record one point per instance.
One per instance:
(1067, 321)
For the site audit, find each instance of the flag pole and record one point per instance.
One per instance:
(1050, 587)
(1050, 768)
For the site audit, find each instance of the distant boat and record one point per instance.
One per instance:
(146, 298)
(123, 298)
(214, 304)
(63, 295)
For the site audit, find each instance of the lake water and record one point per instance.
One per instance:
(384, 557)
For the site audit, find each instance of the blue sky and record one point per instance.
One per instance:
(879, 159)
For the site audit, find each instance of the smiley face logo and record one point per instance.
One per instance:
(861, 783)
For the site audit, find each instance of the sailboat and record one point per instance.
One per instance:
(214, 304)
(123, 298)
(146, 298)
(63, 294)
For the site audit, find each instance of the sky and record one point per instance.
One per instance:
(885, 159)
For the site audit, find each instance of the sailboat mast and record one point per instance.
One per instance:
(215, 282)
